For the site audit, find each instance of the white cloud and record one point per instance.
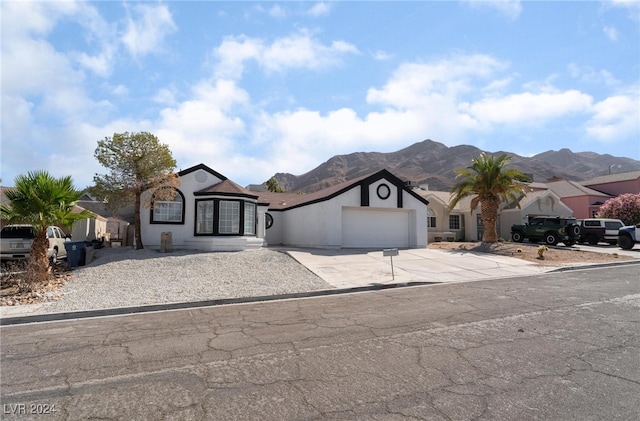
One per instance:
(203, 129)
(589, 75)
(300, 50)
(611, 33)
(277, 12)
(615, 117)
(382, 55)
(413, 84)
(509, 8)
(319, 9)
(147, 28)
(527, 108)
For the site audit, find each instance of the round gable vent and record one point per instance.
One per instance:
(383, 191)
(201, 176)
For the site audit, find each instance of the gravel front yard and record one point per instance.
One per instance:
(122, 277)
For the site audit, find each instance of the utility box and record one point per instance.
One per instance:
(166, 242)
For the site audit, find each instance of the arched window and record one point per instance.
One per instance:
(168, 211)
(431, 219)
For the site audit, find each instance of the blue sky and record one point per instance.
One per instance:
(255, 88)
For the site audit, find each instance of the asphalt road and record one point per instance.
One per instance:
(561, 346)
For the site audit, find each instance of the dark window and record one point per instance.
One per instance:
(454, 222)
(431, 219)
(612, 225)
(18, 232)
(225, 217)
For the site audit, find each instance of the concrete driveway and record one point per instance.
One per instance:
(348, 268)
(345, 268)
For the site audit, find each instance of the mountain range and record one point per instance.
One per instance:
(433, 164)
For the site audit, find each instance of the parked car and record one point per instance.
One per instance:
(16, 242)
(600, 230)
(550, 229)
(628, 236)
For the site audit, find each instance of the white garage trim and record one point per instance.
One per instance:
(375, 228)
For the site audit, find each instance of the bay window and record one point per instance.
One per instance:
(225, 217)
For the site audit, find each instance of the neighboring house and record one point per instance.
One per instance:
(119, 224)
(83, 230)
(442, 224)
(89, 229)
(583, 201)
(616, 184)
(462, 225)
(534, 203)
(211, 212)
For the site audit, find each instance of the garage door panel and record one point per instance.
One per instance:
(369, 228)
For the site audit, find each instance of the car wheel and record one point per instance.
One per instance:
(592, 240)
(575, 230)
(551, 239)
(53, 260)
(625, 242)
(517, 237)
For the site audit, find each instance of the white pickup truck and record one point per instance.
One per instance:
(629, 236)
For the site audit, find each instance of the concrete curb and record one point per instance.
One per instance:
(118, 311)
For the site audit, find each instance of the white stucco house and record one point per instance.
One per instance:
(211, 212)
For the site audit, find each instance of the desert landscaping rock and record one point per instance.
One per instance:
(121, 277)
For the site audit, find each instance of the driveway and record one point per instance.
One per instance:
(348, 268)
(345, 268)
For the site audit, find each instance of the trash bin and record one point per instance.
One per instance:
(75, 253)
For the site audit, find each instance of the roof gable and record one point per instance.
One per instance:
(286, 201)
(564, 188)
(612, 178)
(226, 188)
(202, 167)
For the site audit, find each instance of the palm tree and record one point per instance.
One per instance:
(41, 200)
(490, 184)
(273, 186)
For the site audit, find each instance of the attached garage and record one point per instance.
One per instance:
(375, 211)
(379, 228)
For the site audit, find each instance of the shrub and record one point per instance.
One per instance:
(25, 275)
(625, 207)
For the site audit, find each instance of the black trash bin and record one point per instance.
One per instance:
(75, 253)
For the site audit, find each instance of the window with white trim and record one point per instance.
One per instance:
(229, 219)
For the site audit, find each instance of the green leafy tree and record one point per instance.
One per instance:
(625, 207)
(274, 186)
(490, 184)
(41, 200)
(137, 162)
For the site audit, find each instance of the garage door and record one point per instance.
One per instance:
(374, 228)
